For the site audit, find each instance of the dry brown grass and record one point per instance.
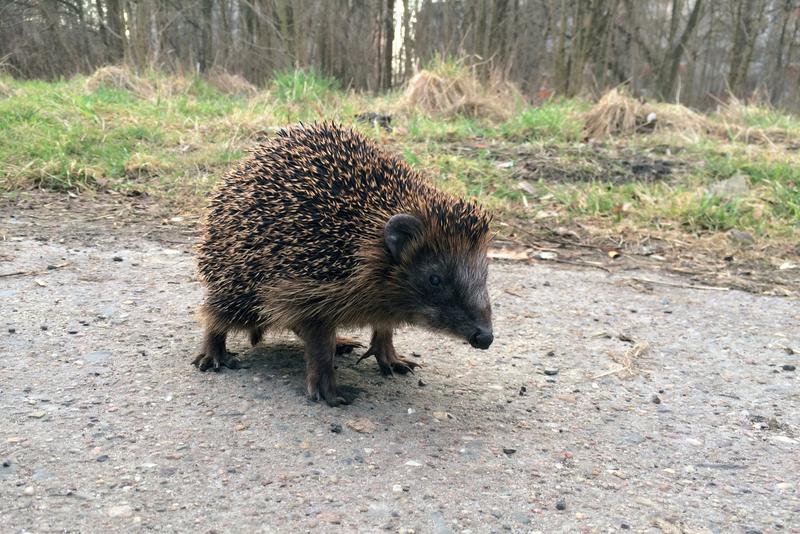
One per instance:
(230, 84)
(119, 77)
(618, 114)
(5, 90)
(459, 92)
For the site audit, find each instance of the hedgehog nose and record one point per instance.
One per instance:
(481, 339)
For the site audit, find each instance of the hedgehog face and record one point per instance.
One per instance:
(444, 290)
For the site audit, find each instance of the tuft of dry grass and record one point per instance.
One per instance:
(5, 90)
(230, 84)
(448, 93)
(119, 77)
(614, 114)
(618, 114)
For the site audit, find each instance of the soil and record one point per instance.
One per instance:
(605, 403)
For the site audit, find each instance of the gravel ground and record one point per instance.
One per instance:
(605, 404)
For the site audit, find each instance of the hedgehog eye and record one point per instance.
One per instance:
(435, 280)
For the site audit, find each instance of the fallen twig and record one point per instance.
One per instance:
(33, 273)
(678, 284)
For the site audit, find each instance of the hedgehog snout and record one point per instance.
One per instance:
(481, 339)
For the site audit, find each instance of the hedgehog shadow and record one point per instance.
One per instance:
(284, 360)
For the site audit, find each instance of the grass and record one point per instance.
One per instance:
(176, 143)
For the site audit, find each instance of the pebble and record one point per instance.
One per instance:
(28, 491)
(336, 428)
(43, 327)
(124, 510)
(362, 425)
(509, 451)
(12, 330)
(117, 258)
(102, 458)
(788, 367)
(655, 399)
(397, 488)
(330, 517)
(420, 383)
(625, 526)
(551, 372)
(561, 504)
(413, 463)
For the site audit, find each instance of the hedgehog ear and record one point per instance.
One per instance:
(399, 230)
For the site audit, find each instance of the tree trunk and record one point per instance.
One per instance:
(388, 44)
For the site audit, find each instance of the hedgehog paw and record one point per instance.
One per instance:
(332, 397)
(389, 361)
(346, 345)
(397, 365)
(216, 362)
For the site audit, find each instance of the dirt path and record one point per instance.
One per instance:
(107, 427)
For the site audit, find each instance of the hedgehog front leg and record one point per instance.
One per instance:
(389, 361)
(320, 348)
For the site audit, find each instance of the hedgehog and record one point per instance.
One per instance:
(320, 229)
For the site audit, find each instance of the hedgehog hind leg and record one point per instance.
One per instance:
(346, 345)
(256, 334)
(214, 355)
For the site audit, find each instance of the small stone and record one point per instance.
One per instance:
(655, 399)
(625, 526)
(411, 411)
(12, 330)
(124, 510)
(361, 425)
(788, 367)
(561, 504)
(509, 451)
(522, 390)
(421, 384)
(330, 517)
(28, 491)
(117, 258)
(413, 463)
(397, 488)
(240, 427)
(336, 428)
(43, 327)
(6, 463)
(37, 415)
(415, 355)
(551, 372)
(102, 458)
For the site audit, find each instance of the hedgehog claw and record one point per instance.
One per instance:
(215, 363)
(389, 361)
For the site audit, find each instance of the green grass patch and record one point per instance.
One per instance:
(181, 138)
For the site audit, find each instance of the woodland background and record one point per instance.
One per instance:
(693, 52)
